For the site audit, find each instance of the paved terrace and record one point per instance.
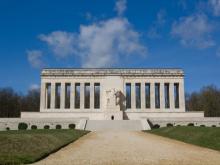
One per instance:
(130, 148)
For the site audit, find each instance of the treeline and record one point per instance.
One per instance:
(12, 103)
(207, 100)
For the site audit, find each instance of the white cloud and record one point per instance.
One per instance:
(194, 31)
(153, 31)
(88, 16)
(34, 87)
(100, 44)
(61, 43)
(161, 17)
(215, 7)
(120, 7)
(35, 58)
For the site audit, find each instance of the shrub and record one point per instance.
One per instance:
(46, 127)
(190, 124)
(72, 126)
(7, 128)
(202, 125)
(33, 127)
(155, 126)
(58, 126)
(169, 125)
(213, 125)
(22, 126)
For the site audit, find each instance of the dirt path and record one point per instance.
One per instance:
(130, 148)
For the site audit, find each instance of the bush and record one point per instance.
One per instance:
(169, 125)
(22, 126)
(72, 126)
(7, 128)
(33, 127)
(202, 125)
(155, 126)
(213, 125)
(58, 126)
(190, 124)
(46, 127)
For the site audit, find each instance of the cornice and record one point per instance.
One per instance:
(112, 72)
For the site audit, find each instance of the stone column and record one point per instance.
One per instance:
(172, 101)
(101, 96)
(133, 96)
(143, 96)
(52, 96)
(62, 96)
(162, 98)
(91, 95)
(46, 97)
(72, 95)
(82, 86)
(152, 95)
(43, 96)
(181, 96)
(124, 92)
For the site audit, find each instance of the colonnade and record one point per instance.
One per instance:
(70, 95)
(154, 95)
(141, 95)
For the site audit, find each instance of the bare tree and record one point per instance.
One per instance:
(207, 100)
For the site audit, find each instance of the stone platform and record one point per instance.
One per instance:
(114, 125)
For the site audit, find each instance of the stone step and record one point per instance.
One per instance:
(114, 125)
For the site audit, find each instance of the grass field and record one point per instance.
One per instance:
(28, 146)
(202, 136)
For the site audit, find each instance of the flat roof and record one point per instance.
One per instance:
(112, 72)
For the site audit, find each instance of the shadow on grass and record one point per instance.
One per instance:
(22, 147)
(208, 137)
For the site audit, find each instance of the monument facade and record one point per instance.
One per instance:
(112, 94)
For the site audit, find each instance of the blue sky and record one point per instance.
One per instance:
(97, 33)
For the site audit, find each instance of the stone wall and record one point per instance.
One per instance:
(135, 115)
(196, 121)
(12, 123)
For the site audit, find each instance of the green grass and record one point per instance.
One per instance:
(202, 136)
(19, 147)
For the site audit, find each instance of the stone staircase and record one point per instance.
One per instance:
(114, 125)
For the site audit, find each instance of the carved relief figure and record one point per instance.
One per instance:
(111, 99)
(114, 99)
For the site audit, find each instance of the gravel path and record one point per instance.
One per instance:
(130, 148)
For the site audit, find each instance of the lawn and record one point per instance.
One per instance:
(18, 147)
(202, 136)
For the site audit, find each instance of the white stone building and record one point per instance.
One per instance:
(112, 94)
